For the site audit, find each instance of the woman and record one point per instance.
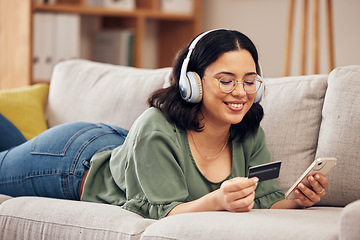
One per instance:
(189, 152)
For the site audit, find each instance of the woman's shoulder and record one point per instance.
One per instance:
(152, 117)
(152, 120)
(151, 114)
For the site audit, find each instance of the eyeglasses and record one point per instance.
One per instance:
(251, 83)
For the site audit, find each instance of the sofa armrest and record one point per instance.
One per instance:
(350, 221)
(47, 218)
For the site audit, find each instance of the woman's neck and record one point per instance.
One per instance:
(211, 141)
(211, 151)
(211, 137)
(213, 133)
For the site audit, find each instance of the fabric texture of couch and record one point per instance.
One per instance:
(305, 117)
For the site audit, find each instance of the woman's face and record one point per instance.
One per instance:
(223, 109)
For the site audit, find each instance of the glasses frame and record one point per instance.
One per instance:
(258, 80)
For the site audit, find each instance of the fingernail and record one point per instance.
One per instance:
(301, 185)
(256, 180)
(297, 191)
(312, 178)
(317, 176)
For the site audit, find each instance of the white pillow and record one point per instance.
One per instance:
(82, 90)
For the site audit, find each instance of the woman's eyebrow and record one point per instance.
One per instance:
(250, 73)
(227, 73)
(232, 74)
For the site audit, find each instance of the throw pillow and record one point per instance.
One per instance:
(25, 107)
(99, 92)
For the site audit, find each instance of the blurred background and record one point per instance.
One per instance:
(265, 22)
(37, 34)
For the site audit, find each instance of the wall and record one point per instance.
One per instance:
(265, 22)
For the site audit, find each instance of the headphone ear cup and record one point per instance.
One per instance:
(259, 93)
(184, 87)
(196, 87)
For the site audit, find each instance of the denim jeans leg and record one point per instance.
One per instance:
(54, 163)
(10, 136)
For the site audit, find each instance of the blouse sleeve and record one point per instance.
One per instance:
(153, 181)
(267, 192)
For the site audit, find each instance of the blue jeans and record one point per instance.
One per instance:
(53, 164)
(10, 136)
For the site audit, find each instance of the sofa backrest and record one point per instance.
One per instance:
(316, 116)
(82, 90)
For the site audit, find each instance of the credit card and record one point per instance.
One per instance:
(265, 171)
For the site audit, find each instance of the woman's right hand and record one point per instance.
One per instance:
(234, 195)
(237, 194)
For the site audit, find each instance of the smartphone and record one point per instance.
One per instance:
(265, 171)
(320, 165)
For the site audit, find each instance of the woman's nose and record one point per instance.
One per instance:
(239, 89)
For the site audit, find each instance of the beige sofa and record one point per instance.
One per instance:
(305, 117)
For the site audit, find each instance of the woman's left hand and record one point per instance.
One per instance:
(306, 197)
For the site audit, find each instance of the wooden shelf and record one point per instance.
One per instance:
(100, 11)
(172, 31)
(97, 11)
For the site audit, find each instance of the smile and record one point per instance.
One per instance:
(235, 105)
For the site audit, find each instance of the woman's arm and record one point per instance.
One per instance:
(235, 195)
(306, 197)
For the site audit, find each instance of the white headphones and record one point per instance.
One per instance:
(190, 82)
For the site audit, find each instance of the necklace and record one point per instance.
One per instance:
(209, 157)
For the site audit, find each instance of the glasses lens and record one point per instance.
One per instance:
(252, 84)
(227, 84)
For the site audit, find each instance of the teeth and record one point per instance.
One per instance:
(235, 105)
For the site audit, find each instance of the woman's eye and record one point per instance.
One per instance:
(249, 83)
(226, 81)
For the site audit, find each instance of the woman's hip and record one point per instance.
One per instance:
(76, 143)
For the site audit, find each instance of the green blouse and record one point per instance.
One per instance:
(154, 170)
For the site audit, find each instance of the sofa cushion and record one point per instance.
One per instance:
(82, 90)
(292, 108)
(314, 223)
(3, 198)
(340, 135)
(25, 108)
(47, 218)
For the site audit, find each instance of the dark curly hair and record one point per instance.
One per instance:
(210, 47)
